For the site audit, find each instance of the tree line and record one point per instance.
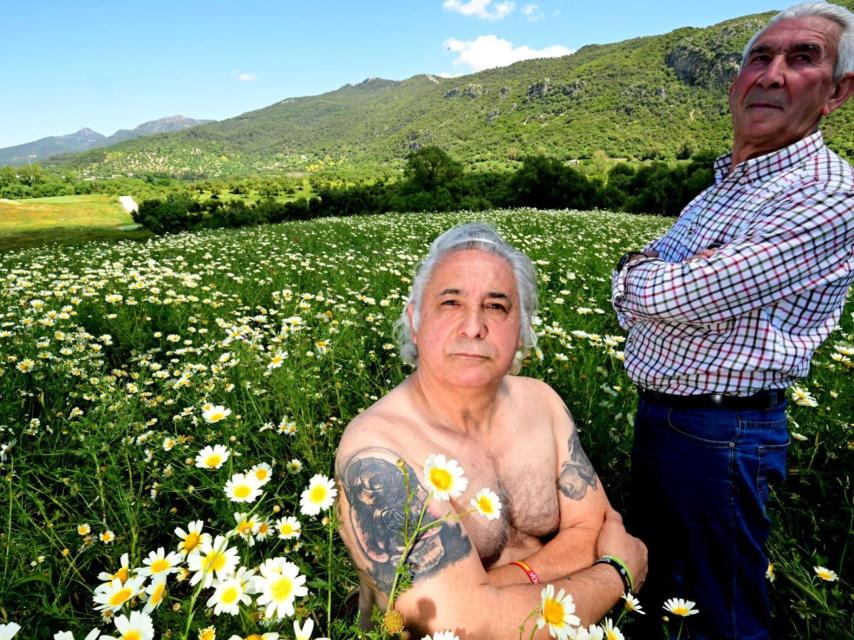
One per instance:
(433, 181)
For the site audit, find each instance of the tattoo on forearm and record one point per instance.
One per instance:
(377, 495)
(576, 474)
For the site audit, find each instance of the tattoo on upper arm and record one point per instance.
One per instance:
(376, 492)
(576, 474)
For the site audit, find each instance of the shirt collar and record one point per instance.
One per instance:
(761, 167)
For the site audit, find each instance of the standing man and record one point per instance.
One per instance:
(725, 311)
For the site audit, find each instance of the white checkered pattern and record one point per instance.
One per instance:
(751, 316)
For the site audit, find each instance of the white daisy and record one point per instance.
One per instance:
(212, 558)
(212, 457)
(246, 526)
(191, 538)
(123, 572)
(113, 595)
(160, 564)
(680, 607)
(215, 413)
(288, 528)
(319, 496)
(228, 595)
(243, 488)
(557, 611)
(156, 591)
(487, 504)
(8, 630)
(136, 627)
(279, 584)
(444, 478)
(828, 575)
(263, 473)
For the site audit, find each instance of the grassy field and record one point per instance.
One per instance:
(64, 219)
(138, 378)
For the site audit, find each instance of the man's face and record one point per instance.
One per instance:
(469, 323)
(785, 86)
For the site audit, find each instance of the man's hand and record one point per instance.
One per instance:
(615, 541)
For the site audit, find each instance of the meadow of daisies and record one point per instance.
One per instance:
(169, 412)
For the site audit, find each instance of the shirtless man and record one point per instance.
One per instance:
(466, 325)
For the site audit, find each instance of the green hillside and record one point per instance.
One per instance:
(653, 97)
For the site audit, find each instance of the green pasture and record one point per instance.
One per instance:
(64, 219)
(113, 356)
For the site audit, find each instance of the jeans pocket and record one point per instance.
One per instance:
(771, 469)
(709, 426)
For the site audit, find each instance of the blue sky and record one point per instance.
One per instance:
(112, 65)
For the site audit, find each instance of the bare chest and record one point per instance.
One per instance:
(528, 491)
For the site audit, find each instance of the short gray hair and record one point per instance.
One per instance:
(483, 237)
(840, 15)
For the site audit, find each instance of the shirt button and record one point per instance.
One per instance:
(732, 445)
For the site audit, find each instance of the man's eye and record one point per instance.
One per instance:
(449, 303)
(497, 306)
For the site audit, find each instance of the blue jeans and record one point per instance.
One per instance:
(700, 481)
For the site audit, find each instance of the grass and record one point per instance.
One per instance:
(63, 219)
(111, 353)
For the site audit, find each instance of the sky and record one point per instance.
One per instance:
(69, 64)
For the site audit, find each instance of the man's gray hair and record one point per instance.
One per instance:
(840, 15)
(483, 237)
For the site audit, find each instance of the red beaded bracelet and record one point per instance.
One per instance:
(532, 575)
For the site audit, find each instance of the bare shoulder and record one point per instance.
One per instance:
(536, 395)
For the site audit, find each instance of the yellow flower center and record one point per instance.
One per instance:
(318, 494)
(160, 565)
(680, 611)
(244, 528)
(282, 589)
(214, 460)
(121, 574)
(553, 612)
(120, 597)
(242, 491)
(441, 479)
(208, 634)
(157, 595)
(133, 634)
(261, 474)
(214, 561)
(286, 529)
(254, 636)
(485, 505)
(191, 541)
(230, 595)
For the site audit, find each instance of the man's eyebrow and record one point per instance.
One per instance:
(450, 292)
(498, 294)
(797, 47)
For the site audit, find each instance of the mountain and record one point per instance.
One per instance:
(653, 97)
(87, 139)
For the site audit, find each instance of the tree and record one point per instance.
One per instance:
(429, 168)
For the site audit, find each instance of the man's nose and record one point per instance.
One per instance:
(774, 74)
(474, 322)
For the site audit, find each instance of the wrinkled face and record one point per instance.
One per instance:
(469, 320)
(786, 86)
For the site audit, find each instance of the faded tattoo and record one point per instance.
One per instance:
(376, 491)
(576, 474)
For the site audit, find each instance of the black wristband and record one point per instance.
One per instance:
(621, 569)
(628, 256)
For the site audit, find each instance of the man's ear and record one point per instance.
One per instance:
(844, 90)
(409, 315)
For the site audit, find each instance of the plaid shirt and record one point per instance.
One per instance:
(751, 316)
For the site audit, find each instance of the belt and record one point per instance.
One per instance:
(766, 399)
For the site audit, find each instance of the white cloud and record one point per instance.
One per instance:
(246, 77)
(532, 12)
(481, 9)
(486, 52)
